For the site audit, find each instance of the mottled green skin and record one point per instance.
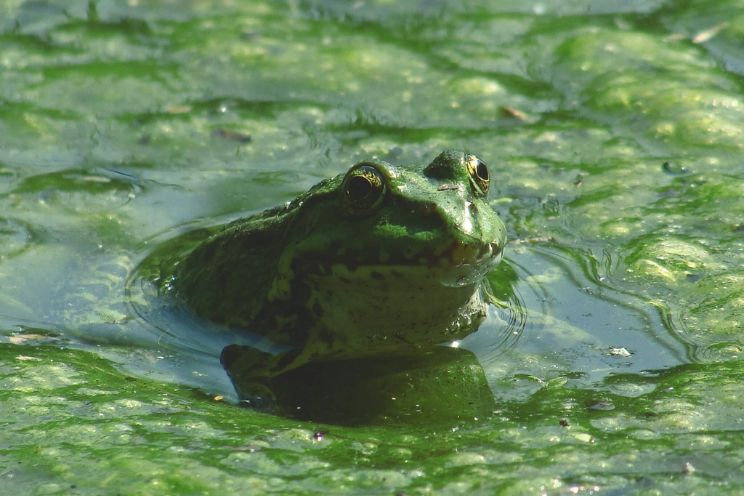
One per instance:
(327, 281)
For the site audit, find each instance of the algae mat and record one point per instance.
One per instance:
(615, 136)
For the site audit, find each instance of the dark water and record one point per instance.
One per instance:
(615, 140)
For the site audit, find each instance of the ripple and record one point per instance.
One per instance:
(567, 324)
(82, 190)
(15, 237)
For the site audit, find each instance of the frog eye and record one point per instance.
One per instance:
(478, 172)
(363, 188)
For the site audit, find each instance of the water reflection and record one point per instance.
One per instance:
(576, 328)
(440, 384)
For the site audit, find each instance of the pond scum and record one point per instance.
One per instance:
(614, 137)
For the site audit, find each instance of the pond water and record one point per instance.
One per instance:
(614, 132)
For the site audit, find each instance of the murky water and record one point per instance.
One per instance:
(615, 140)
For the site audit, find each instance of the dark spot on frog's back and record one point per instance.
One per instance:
(317, 310)
(376, 275)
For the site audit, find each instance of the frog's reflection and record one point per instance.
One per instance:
(439, 384)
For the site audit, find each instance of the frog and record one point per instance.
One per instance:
(380, 260)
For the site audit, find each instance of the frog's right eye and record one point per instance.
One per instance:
(363, 188)
(478, 172)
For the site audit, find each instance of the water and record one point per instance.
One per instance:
(614, 137)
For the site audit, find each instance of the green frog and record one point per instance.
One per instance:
(378, 261)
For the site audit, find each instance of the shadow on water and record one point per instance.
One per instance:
(441, 384)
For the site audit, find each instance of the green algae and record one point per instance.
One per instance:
(614, 134)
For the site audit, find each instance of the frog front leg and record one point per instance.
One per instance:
(251, 370)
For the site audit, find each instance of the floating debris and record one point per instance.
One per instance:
(514, 113)
(618, 351)
(710, 33)
(178, 109)
(26, 358)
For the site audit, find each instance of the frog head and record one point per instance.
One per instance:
(384, 255)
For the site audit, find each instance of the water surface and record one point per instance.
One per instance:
(615, 139)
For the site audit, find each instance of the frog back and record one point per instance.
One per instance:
(227, 278)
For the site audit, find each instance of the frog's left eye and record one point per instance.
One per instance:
(363, 188)
(478, 172)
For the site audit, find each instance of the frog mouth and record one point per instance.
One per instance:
(456, 264)
(475, 253)
(465, 264)
(459, 264)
